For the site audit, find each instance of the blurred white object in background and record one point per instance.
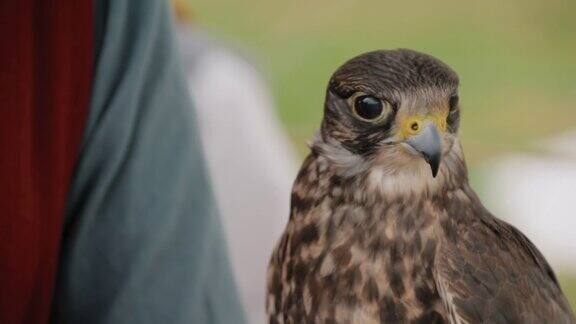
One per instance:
(250, 161)
(537, 193)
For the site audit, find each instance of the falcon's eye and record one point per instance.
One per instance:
(369, 108)
(453, 101)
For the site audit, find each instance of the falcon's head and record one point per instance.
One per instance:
(394, 114)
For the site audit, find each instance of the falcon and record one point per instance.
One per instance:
(384, 226)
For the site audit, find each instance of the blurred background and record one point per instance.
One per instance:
(517, 64)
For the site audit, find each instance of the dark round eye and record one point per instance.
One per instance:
(453, 102)
(368, 107)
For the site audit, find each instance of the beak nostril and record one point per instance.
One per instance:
(427, 142)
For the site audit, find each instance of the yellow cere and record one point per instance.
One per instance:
(412, 125)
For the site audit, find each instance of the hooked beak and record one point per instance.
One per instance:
(429, 144)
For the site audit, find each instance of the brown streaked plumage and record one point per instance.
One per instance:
(384, 227)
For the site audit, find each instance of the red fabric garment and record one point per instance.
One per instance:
(46, 57)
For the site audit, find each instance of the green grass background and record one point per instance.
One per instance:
(516, 60)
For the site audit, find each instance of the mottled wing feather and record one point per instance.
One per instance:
(493, 274)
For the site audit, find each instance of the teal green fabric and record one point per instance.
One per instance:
(142, 241)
